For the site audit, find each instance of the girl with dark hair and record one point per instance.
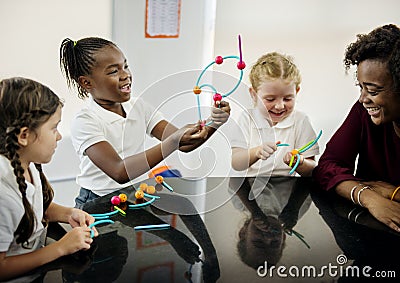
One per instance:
(29, 116)
(99, 71)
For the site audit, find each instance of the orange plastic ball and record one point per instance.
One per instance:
(123, 197)
(139, 200)
(196, 90)
(295, 151)
(139, 194)
(151, 190)
(159, 179)
(123, 206)
(143, 186)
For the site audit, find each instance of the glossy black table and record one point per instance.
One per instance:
(278, 229)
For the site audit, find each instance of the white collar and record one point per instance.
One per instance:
(262, 123)
(109, 115)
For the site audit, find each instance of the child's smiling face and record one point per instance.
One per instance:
(275, 99)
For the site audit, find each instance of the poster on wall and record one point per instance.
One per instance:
(162, 18)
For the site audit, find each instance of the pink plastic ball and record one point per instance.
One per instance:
(217, 97)
(115, 200)
(219, 60)
(241, 65)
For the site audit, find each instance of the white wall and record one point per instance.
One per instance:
(31, 34)
(165, 69)
(315, 33)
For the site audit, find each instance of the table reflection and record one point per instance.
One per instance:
(233, 229)
(274, 206)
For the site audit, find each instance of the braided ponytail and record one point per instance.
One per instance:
(77, 59)
(25, 227)
(24, 103)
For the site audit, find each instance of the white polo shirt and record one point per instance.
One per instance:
(251, 129)
(94, 124)
(12, 209)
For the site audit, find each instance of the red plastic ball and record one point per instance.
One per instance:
(217, 97)
(115, 200)
(241, 65)
(219, 60)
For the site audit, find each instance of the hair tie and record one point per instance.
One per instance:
(75, 42)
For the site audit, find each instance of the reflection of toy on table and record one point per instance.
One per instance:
(142, 192)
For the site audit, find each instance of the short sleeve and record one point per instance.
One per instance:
(85, 132)
(10, 218)
(240, 131)
(306, 134)
(152, 116)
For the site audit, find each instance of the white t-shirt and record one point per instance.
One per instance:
(12, 209)
(252, 129)
(94, 124)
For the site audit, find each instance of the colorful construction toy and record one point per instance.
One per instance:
(217, 97)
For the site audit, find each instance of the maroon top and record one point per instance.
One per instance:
(377, 147)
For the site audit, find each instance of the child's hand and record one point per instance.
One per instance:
(80, 218)
(191, 136)
(219, 115)
(265, 150)
(75, 240)
(288, 156)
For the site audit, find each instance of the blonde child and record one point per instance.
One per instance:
(99, 71)
(29, 115)
(275, 82)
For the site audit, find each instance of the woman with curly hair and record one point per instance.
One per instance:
(361, 161)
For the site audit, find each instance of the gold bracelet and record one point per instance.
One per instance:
(394, 193)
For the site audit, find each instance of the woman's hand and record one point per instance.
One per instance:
(383, 209)
(384, 189)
